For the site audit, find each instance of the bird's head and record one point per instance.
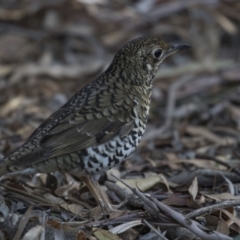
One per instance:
(139, 60)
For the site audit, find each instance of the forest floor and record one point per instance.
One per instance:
(183, 181)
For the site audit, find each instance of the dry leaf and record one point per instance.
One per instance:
(143, 184)
(102, 234)
(125, 226)
(193, 189)
(205, 133)
(33, 233)
(4, 210)
(222, 196)
(222, 227)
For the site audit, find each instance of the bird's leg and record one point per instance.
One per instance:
(97, 192)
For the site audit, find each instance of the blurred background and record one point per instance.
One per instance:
(49, 49)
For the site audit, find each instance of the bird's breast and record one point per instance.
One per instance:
(109, 154)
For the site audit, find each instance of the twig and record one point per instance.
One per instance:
(29, 196)
(43, 223)
(190, 224)
(203, 176)
(54, 70)
(140, 195)
(22, 224)
(117, 220)
(122, 194)
(210, 209)
(207, 157)
(161, 237)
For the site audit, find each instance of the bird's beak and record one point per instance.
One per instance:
(178, 48)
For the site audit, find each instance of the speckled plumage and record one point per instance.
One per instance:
(100, 125)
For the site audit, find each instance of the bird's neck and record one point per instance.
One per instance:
(137, 77)
(132, 73)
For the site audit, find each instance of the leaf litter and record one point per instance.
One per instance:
(183, 181)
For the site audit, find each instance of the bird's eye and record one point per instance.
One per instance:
(157, 53)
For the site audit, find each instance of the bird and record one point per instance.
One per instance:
(102, 124)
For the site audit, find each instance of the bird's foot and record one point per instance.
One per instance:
(106, 209)
(109, 208)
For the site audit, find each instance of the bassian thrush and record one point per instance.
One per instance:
(100, 125)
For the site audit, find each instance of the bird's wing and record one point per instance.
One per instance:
(101, 117)
(78, 134)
